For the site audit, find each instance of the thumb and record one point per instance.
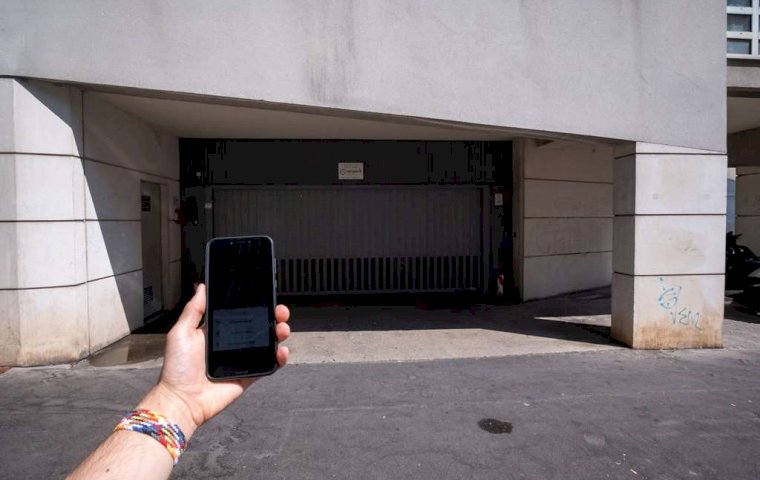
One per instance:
(193, 312)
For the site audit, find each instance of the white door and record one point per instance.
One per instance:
(151, 247)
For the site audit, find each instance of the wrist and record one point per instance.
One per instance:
(164, 401)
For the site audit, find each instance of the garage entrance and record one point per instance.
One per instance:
(357, 217)
(363, 239)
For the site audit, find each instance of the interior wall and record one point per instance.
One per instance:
(564, 227)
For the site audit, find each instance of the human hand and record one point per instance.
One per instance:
(183, 393)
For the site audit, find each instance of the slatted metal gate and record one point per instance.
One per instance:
(363, 239)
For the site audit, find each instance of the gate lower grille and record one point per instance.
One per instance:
(304, 276)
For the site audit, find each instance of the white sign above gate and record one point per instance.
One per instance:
(350, 171)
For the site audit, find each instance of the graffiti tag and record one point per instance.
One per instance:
(679, 315)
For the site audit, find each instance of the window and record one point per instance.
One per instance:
(739, 47)
(742, 26)
(739, 23)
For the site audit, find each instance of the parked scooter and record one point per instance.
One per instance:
(742, 273)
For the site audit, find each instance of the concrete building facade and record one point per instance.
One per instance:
(72, 167)
(390, 147)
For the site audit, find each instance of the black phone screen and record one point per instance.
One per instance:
(240, 326)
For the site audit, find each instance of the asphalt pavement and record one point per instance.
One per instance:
(585, 415)
(385, 393)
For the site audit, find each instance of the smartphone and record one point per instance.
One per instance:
(240, 301)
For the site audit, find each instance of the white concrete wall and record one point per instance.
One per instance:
(120, 152)
(627, 69)
(565, 222)
(748, 207)
(70, 266)
(43, 284)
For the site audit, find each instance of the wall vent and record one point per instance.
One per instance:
(148, 294)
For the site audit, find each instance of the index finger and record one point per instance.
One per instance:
(193, 312)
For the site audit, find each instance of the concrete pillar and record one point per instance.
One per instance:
(71, 166)
(43, 291)
(668, 247)
(748, 206)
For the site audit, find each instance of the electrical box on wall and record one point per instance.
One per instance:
(498, 195)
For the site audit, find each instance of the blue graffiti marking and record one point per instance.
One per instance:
(669, 297)
(668, 300)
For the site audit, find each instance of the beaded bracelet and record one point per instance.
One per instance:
(157, 426)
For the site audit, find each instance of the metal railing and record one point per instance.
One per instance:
(310, 276)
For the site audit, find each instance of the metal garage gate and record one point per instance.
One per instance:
(362, 239)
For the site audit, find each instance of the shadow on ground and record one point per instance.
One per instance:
(411, 328)
(461, 316)
(741, 313)
(440, 312)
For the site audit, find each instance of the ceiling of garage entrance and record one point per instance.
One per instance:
(743, 113)
(194, 119)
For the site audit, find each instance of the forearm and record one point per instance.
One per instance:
(129, 455)
(184, 397)
(126, 455)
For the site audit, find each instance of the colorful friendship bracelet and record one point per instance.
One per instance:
(157, 426)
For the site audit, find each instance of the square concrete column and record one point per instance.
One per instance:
(668, 247)
(43, 291)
